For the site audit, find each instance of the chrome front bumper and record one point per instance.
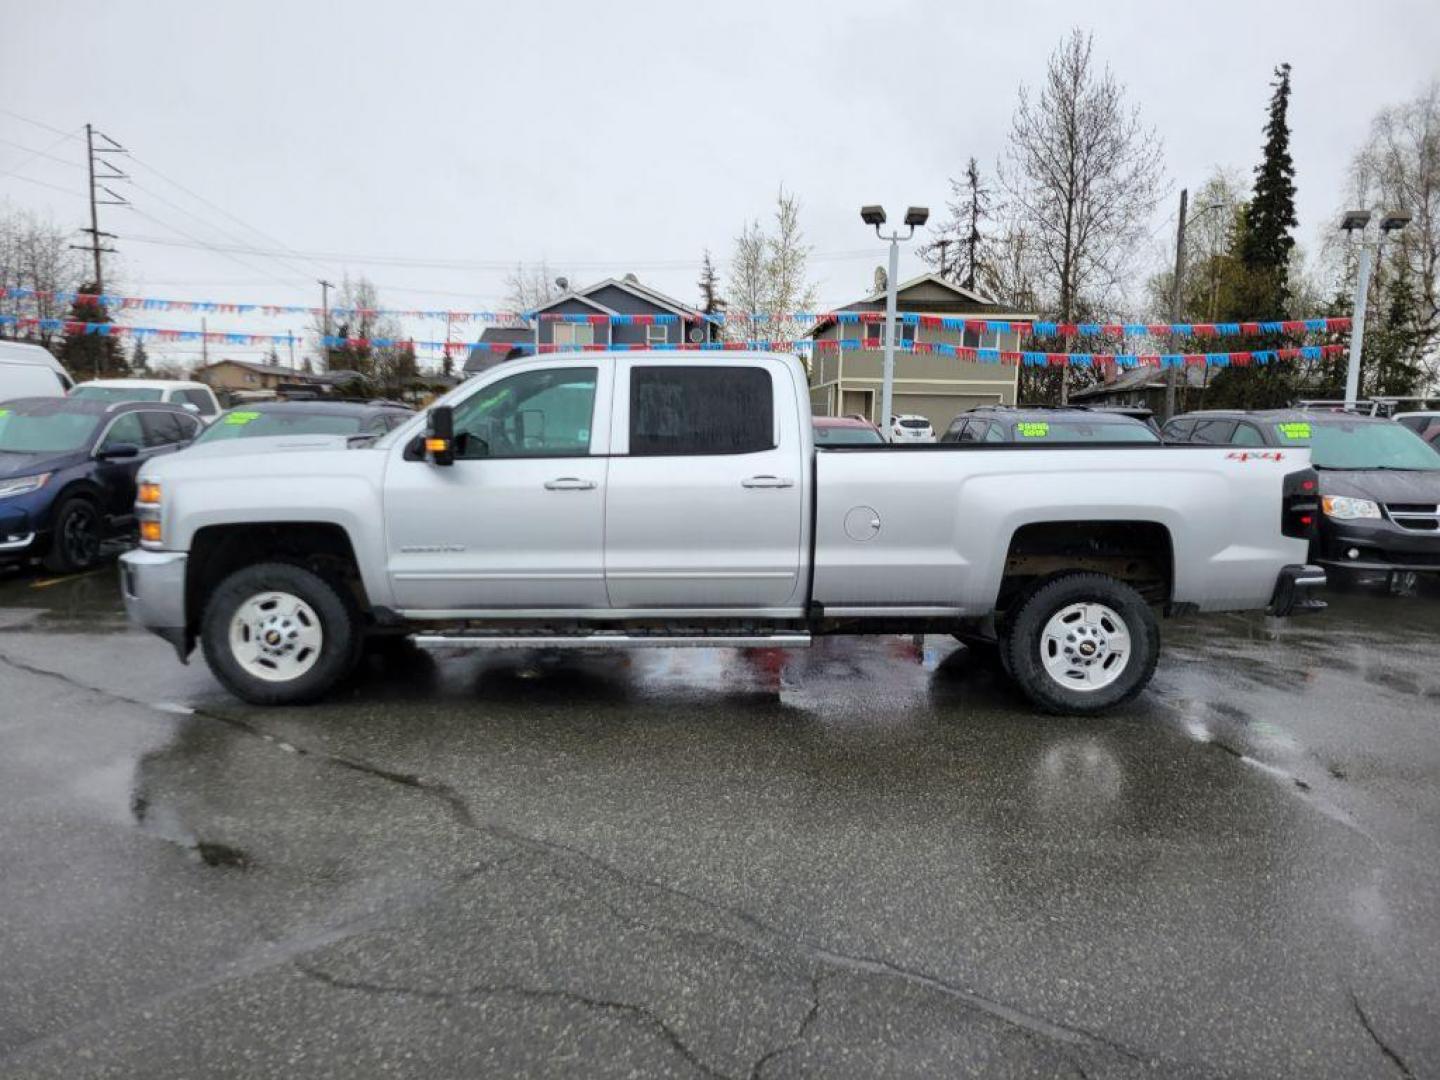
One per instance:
(153, 585)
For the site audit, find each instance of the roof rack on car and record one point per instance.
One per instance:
(1361, 408)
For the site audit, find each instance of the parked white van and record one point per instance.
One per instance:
(30, 371)
(195, 396)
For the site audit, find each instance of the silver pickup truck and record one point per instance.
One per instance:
(669, 499)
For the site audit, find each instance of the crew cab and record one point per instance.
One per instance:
(634, 499)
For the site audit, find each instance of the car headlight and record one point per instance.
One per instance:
(1344, 508)
(23, 485)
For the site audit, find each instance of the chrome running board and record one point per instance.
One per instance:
(606, 640)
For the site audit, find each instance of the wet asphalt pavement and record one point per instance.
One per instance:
(868, 859)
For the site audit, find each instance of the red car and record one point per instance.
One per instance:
(845, 431)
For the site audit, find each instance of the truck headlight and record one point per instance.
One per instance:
(23, 485)
(1344, 508)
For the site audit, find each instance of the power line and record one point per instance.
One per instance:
(411, 262)
(39, 183)
(34, 154)
(41, 124)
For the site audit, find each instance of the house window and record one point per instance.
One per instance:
(875, 334)
(981, 339)
(656, 335)
(573, 334)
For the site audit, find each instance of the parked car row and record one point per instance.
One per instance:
(68, 463)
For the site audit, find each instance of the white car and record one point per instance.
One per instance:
(911, 428)
(30, 371)
(195, 396)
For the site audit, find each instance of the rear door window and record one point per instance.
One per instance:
(701, 410)
(1213, 432)
(971, 431)
(161, 429)
(1179, 430)
(1247, 435)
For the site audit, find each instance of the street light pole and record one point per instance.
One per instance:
(1357, 327)
(1356, 221)
(875, 215)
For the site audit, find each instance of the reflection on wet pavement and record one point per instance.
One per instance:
(866, 858)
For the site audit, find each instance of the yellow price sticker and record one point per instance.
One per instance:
(238, 418)
(1032, 429)
(1295, 430)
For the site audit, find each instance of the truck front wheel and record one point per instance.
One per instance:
(1082, 643)
(278, 634)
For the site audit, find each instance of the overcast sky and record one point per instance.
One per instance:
(619, 137)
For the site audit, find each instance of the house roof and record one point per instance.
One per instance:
(1142, 378)
(634, 288)
(967, 296)
(277, 370)
(931, 279)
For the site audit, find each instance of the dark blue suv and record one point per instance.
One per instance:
(67, 472)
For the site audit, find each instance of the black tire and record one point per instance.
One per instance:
(341, 637)
(75, 536)
(1025, 633)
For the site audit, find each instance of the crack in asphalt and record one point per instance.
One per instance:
(800, 1031)
(438, 789)
(1385, 1048)
(459, 809)
(638, 1013)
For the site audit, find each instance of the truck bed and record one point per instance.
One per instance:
(898, 532)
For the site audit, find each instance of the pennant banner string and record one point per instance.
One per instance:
(1042, 328)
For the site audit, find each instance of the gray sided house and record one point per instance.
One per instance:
(600, 305)
(847, 380)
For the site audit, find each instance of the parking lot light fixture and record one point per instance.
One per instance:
(914, 217)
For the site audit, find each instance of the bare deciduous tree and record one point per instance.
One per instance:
(35, 253)
(530, 287)
(1399, 169)
(769, 276)
(1083, 174)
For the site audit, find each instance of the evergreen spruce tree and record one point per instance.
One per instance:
(711, 303)
(139, 359)
(86, 355)
(1265, 240)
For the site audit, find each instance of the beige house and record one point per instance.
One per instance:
(244, 375)
(847, 379)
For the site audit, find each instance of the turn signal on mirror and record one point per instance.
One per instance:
(437, 446)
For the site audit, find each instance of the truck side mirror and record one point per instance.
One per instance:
(440, 435)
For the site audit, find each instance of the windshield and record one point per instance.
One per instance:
(1339, 444)
(43, 430)
(116, 393)
(1082, 431)
(248, 423)
(847, 436)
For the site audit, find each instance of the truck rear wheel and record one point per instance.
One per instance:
(1082, 643)
(278, 634)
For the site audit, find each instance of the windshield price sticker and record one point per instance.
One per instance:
(238, 418)
(1294, 430)
(1032, 429)
(4, 412)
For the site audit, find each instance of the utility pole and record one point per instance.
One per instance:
(942, 244)
(290, 340)
(95, 247)
(1177, 299)
(204, 344)
(325, 287)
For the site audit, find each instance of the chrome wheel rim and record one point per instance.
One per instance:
(276, 636)
(1085, 647)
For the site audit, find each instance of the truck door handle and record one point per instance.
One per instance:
(569, 483)
(767, 482)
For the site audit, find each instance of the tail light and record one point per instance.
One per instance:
(1300, 504)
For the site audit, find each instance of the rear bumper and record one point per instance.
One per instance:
(153, 585)
(1295, 591)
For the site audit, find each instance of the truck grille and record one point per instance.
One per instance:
(1420, 517)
